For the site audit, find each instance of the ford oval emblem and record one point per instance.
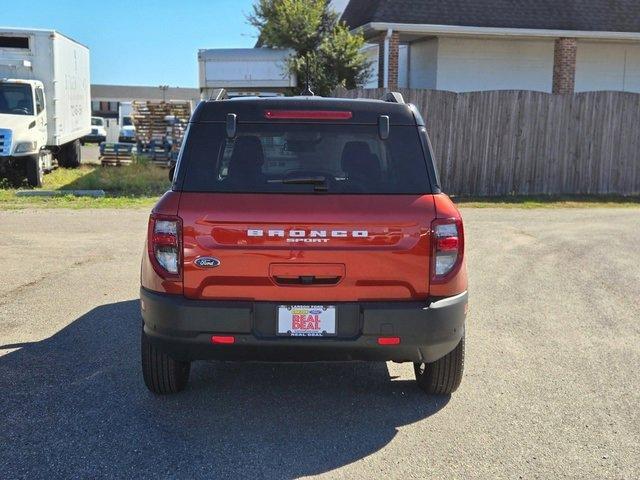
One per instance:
(207, 262)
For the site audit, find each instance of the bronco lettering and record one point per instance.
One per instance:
(304, 235)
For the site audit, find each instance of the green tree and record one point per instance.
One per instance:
(325, 50)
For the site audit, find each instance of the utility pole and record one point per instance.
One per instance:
(164, 89)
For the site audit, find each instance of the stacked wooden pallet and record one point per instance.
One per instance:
(157, 154)
(116, 154)
(160, 127)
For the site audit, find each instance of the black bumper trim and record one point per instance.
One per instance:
(183, 327)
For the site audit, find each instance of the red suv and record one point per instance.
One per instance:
(304, 229)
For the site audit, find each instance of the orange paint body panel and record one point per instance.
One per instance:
(256, 237)
(391, 263)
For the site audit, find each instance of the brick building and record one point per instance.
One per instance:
(468, 45)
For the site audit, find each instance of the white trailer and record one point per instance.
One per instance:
(245, 71)
(45, 101)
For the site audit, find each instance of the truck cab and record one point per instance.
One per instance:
(23, 125)
(127, 132)
(22, 102)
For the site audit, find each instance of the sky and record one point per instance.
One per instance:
(140, 42)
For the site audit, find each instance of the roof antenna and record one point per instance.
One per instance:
(307, 92)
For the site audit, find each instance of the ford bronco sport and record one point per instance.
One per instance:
(304, 229)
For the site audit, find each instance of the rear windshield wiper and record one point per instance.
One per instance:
(319, 183)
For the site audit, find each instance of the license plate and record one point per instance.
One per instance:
(306, 320)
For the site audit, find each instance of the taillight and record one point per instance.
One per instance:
(165, 233)
(223, 339)
(447, 239)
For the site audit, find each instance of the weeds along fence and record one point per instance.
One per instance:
(526, 143)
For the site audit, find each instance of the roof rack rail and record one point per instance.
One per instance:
(394, 97)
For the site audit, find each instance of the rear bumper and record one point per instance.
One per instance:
(183, 328)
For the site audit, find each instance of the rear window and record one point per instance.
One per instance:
(303, 158)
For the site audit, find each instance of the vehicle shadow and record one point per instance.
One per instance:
(74, 405)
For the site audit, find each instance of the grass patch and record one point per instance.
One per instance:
(136, 185)
(141, 184)
(8, 201)
(133, 180)
(549, 201)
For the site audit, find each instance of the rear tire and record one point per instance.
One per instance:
(162, 374)
(444, 375)
(69, 155)
(34, 170)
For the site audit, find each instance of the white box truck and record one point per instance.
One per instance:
(45, 101)
(245, 71)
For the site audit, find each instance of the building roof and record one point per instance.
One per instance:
(579, 15)
(135, 92)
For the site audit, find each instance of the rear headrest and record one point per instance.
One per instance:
(248, 149)
(354, 150)
(357, 160)
(247, 157)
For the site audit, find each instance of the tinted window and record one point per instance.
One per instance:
(16, 99)
(294, 158)
(97, 122)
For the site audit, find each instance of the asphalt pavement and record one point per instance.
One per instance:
(550, 387)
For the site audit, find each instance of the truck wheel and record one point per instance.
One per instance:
(162, 374)
(444, 375)
(69, 155)
(35, 172)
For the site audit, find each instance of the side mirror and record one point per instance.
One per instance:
(172, 170)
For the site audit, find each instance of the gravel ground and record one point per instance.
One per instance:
(550, 389)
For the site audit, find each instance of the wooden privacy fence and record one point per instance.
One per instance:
(524, 142)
